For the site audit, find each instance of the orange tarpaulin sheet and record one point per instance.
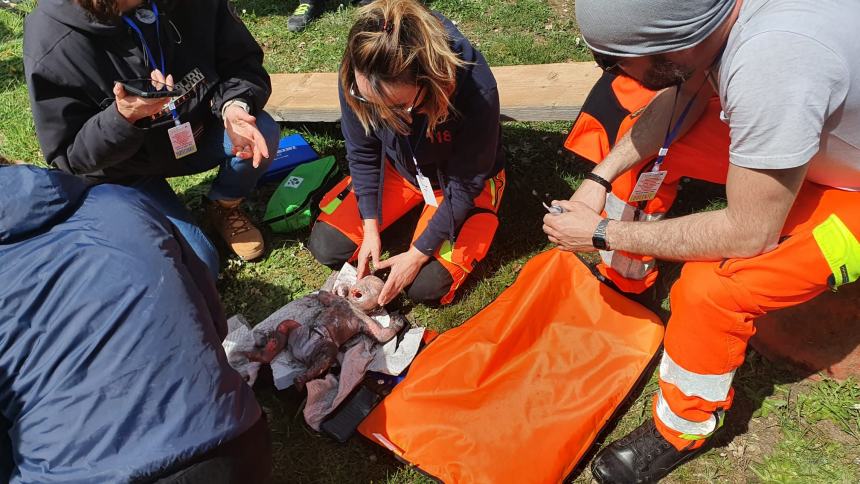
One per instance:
(519, 392)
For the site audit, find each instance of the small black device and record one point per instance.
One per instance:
(148, 88)
(342, 424)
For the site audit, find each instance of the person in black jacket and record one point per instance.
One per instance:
(77, 51)
(420, 116)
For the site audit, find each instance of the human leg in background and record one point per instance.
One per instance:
(714, 308)
(701, 154)
(338, 232)
(236, 179)
(164, 198)
(439, 279)
(611, 109)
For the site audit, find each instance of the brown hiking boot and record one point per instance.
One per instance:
(234, 226)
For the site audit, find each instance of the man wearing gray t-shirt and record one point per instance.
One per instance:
(761, 95)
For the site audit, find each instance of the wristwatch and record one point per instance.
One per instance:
(598, 240)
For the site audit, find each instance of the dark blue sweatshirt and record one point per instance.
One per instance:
(111, 367)
(463, 152)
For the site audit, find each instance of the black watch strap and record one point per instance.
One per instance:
(600, 180)
(598, 240)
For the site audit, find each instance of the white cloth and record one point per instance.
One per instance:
(359, 355)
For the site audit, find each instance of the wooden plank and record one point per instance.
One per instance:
(307, 97)
(545, 92)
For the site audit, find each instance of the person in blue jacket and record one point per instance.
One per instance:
(111, 367)
(420, 117)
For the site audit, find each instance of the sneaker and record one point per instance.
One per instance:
(237, 230)
(643, 456)
(303, 15)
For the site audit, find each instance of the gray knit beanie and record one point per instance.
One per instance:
(636, 28)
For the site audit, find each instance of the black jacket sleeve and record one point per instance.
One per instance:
(475, 150)
(362, 153)
(239, 64)
(76, 135)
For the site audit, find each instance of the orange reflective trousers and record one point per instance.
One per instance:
(715, 304)
(340, 210)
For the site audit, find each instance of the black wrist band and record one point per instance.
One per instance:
(599, 179)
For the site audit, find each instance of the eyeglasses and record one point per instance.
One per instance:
(607, 63)
(353, 91)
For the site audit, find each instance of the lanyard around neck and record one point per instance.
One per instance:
(672, 131)
(146, 49)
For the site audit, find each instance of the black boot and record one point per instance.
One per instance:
(641, 457)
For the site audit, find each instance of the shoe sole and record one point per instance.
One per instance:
(252, 257)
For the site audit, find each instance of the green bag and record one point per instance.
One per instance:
(295, 203)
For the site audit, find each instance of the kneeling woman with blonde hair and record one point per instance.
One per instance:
(420, 116)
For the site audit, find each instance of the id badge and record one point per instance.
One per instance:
(647, 186)
(182, 140)
(427, 190)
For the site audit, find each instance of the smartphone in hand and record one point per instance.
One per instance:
(148, 88)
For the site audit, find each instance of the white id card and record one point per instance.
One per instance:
(182, 140)
(647, 186)
(427, 190)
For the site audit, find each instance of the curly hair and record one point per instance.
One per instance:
(400, 41)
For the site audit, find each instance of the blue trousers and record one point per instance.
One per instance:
(236, 178)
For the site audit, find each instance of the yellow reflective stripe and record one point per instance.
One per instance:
(493, 191)
(841, 250)
(331, 206)
(446, 252)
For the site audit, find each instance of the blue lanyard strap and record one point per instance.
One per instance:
(673, 132)
(146, 49)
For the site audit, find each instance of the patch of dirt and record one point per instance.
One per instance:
(833, 433)
(562, 8)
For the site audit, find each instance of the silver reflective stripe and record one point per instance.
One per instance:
(713, 388)
(618, 209)
(682, 425)
(629, 268)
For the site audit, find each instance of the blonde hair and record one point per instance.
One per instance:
(399, 41)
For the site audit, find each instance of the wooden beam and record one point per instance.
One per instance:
(545, 92)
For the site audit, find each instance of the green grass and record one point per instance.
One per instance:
(780, 430)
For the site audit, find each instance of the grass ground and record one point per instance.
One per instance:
(781, 430)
